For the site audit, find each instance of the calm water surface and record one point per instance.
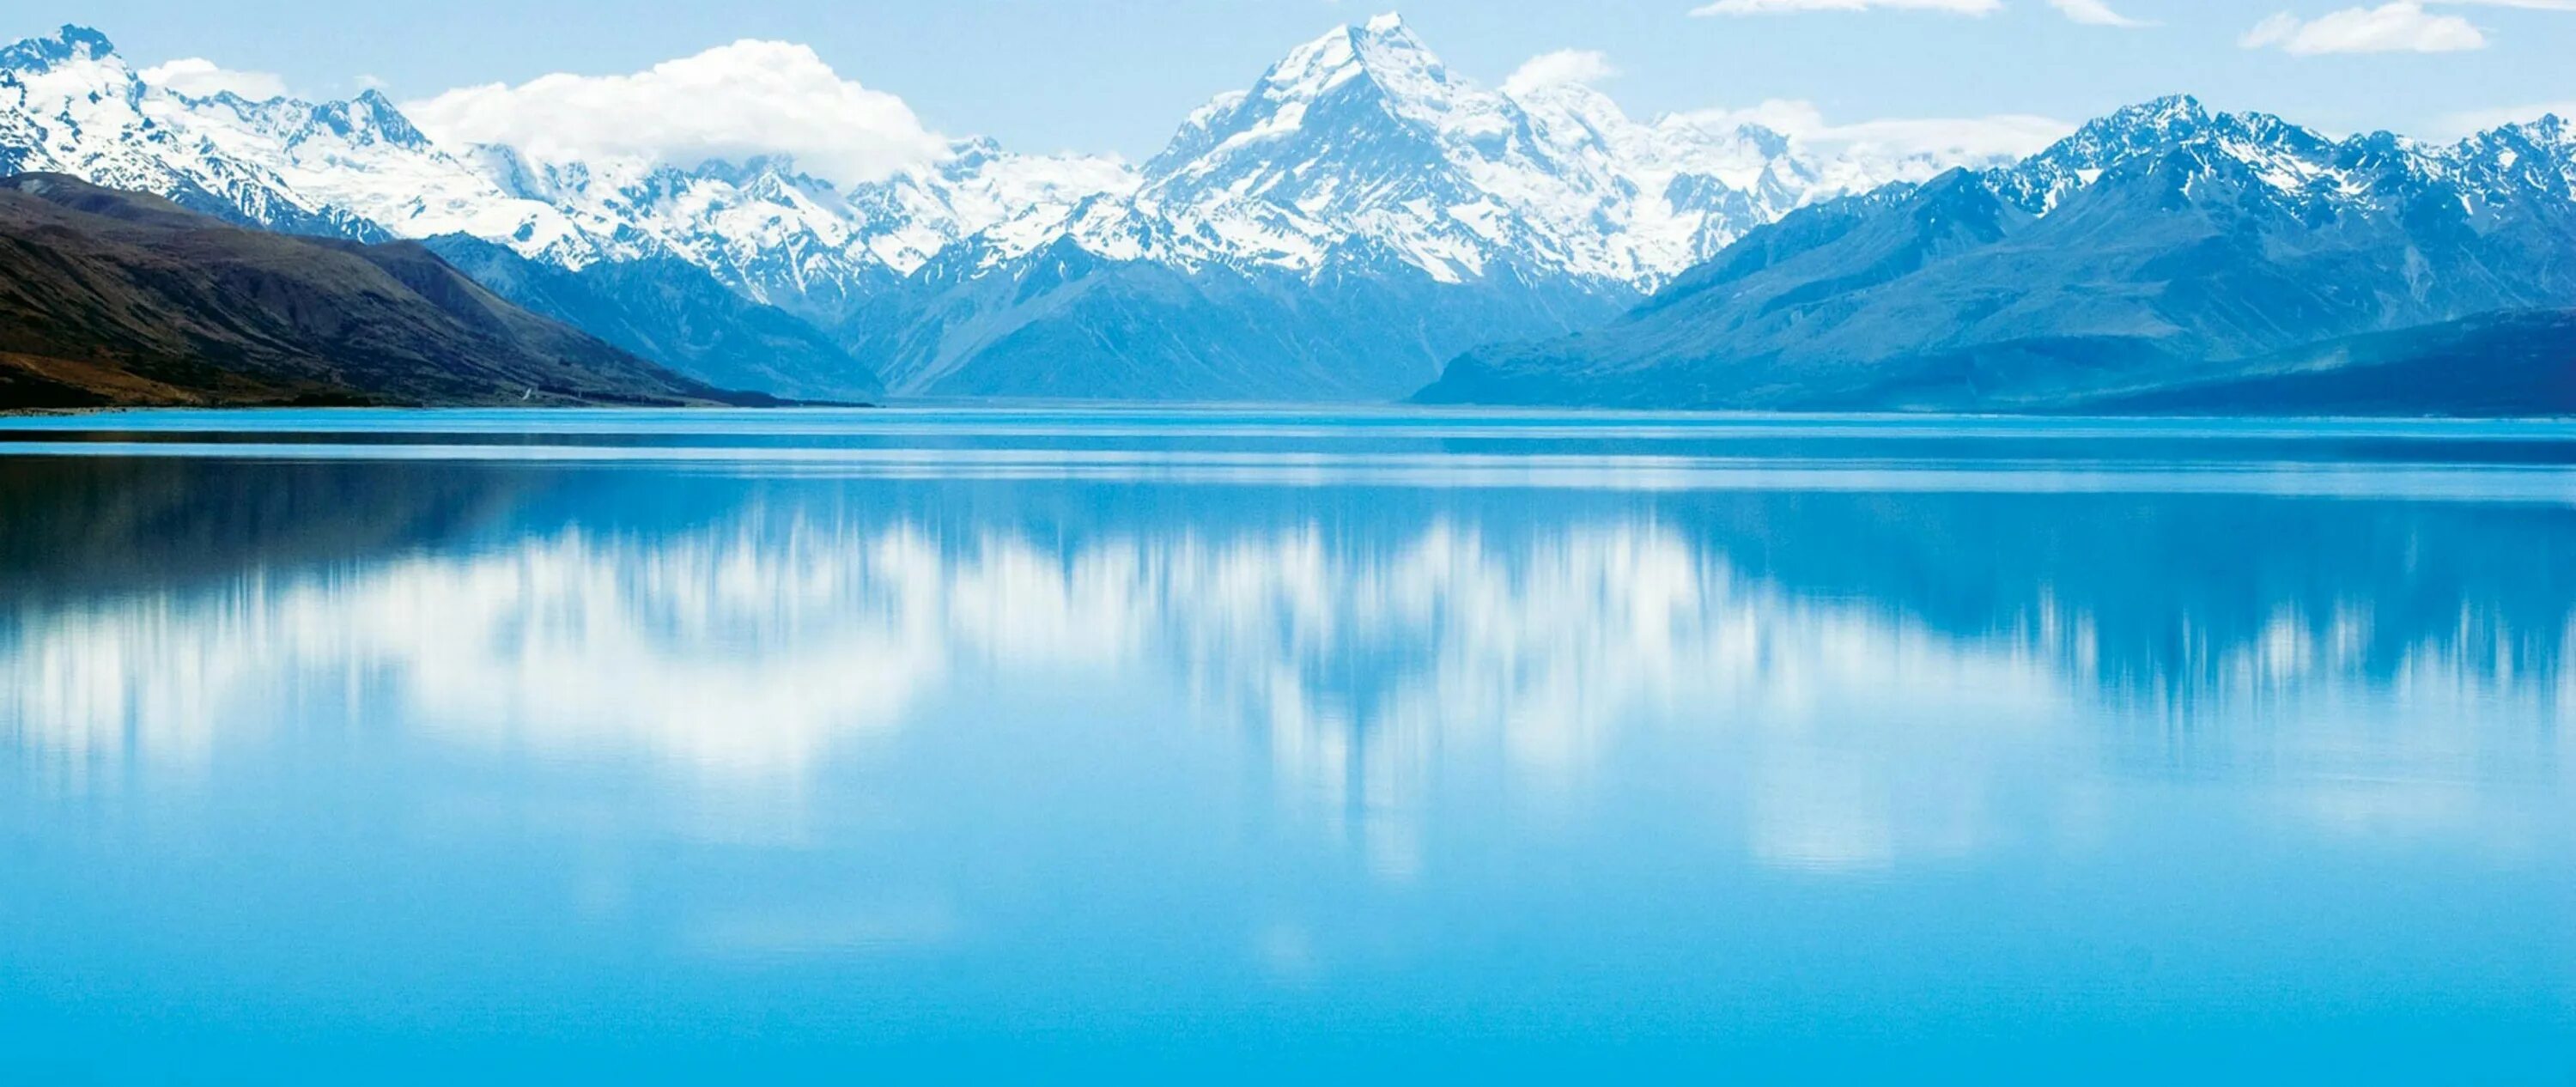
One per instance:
(1034, 747)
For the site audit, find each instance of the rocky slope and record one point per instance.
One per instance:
(359, 170)
(108, 297)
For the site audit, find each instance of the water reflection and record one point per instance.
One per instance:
(1873, 670)
(319, 766)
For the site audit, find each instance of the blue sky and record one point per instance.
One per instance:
(1094, 75)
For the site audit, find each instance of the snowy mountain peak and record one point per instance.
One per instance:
(2547, 130)
(1381, 43)
(72, 42)
(966, 155)
(1362, 143)
(2161, 123)
(2170, 111)
(1381, 56)
(2172, 122)
(370, 117)
(2179, 146)
(2285, 156)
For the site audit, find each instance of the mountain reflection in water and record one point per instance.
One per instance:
(1852, 686)
(743, 629)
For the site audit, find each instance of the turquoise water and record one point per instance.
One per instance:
(1200, 746)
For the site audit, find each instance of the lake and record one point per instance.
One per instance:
(1239, 746)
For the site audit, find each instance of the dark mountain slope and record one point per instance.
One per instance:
(2162, 245)
(675, 313)
(2500, 364)
(113, 298)
(1064, 322)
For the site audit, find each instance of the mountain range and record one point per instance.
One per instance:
(113, 298)
(1338, 230)
(2163, 246)
(1361, 222)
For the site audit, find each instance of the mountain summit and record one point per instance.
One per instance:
(1337, 226)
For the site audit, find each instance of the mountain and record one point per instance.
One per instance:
(663, 308)
(109, 297)
(782, 237)
(1356, 216)
(1364, 140)
(2514, 363)
(359, 170)
(2164, 243)
(1067, 322)
(1336, 230)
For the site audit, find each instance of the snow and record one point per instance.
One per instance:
(1358, 142)
(1358, 146)
(1362, 142)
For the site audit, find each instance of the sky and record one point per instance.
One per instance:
(1117, 76)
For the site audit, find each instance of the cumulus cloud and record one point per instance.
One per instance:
(2091, 12)
(1584, 66)
(198, 77)
(2471, 122)
(730, 102)
(2095, 13)
(1776, 7)
(2402, 27)
(1941, 139)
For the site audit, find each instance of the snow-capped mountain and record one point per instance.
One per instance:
(70, 103)
(2375, 169)
(2165, 244)
(1357, 155)
(793, 240)
(1355, 217)
(1363, 139)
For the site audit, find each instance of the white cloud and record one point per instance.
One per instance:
(2471, 122)
(1776, 7)
(1943, 139)
(2403, 27)
(198, 77)
(733, 101)
(2096, 13)
(1583, 66)
(2093, 12)
(2526, 5)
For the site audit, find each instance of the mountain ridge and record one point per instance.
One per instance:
(1518, 185)
(1362, 223)
(117, 298)
(2163, 239)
